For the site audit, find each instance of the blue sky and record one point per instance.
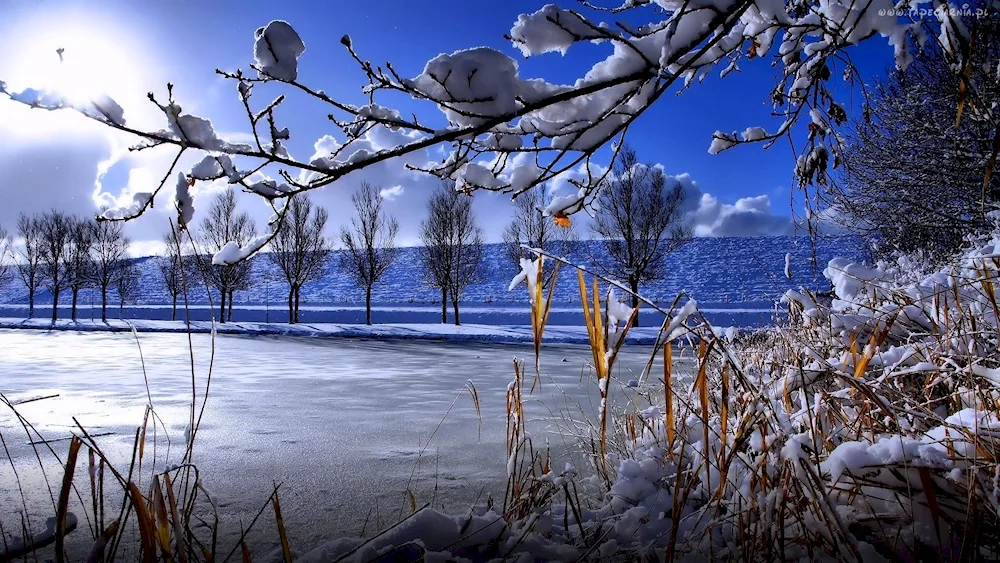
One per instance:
(147, 43)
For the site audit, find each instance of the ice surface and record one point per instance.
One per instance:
(308, 424)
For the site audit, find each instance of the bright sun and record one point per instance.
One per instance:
(75, 59)
(84, 67)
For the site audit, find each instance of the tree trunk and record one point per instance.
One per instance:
(31, 303)
(173, 313)
(368, 305)
(454, 303)
(104, 304)
(444, 306)
(634, 286)
(55, 303)
(231, 293)
(291, 305)
(222, 306)
(72, 310)
(298, 294)
(121, 309)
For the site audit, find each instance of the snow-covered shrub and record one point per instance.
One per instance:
(865, 429)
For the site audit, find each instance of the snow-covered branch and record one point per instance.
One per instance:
(494, 113)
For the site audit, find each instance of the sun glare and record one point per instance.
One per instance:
(76, 64)
(75, 59)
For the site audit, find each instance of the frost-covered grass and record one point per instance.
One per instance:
(863, 429)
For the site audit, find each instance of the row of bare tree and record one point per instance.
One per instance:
(452, 251)
(301, 251)
(640, 219)
(639, 222)
(61, 252)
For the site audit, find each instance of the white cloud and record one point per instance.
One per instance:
(391, 193)
(561, 182)
(749, 216)
(324, 146)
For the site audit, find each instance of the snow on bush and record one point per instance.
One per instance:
(859, 431)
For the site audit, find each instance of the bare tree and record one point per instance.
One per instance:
(78, 263)
(110, 248)
(299, 249)
(30, 259)
(368, 244)
(56, 230)
(529, 226)
(126, 282)
(6, 257)
(435, 253)
(912, 179)
(221, 225)
(453, 246)
(639, 223)
(175, 271)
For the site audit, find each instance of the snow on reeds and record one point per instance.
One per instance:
(866, 428)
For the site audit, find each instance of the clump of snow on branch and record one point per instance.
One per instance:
(276, 50)
(232, 252)
(566, 205)
(721, 141)
(139, 201)
(524, 176)
(754, 134)
(102, 108)
(471, 85)
(270, 189)
(184, 200)
(213, 167)
(475, 175)
(196, 131)
(528, 273)
(210, 167)
(552, 29)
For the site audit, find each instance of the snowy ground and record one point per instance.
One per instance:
(341, 422)
(404, 331)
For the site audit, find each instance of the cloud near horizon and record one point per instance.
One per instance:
(747, 217)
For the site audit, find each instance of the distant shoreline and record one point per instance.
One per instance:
(489, 315)
(509, 334)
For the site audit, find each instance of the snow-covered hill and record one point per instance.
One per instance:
(719, 272)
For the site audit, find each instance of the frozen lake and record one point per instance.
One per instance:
(341, 423)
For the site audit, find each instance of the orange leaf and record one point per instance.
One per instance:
(561, 221)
